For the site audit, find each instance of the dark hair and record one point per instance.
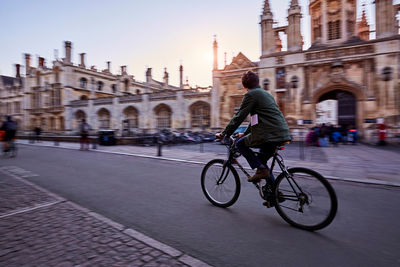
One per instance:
(250, 80)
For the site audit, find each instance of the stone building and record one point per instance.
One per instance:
(343, 63)
(59, 96)
(12, 95)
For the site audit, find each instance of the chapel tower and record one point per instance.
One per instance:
(332, 21)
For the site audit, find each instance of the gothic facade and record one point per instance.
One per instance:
(343, 63)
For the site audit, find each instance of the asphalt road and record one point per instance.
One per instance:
(163, 199)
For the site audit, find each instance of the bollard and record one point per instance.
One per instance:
(301, 145)
(159, 147)
(56, 142)
(94, 144)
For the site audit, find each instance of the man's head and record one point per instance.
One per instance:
(250, 80)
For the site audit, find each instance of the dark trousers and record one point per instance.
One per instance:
(266, 152)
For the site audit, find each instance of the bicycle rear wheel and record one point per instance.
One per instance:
(305, 199)
(220, 185)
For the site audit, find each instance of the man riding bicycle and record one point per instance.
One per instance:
(267, 130)
(10, 128)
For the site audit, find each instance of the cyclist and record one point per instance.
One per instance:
(10, 128)
(267, 130)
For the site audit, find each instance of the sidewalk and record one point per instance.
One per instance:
(38, 228)
(357, 163)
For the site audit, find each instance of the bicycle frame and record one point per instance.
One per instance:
(276, 159)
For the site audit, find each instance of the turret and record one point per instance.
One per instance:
(294, 40)
(385, 19)
(363, 27)
(181, 76)
(215, 50)
(267, 32)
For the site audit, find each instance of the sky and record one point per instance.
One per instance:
(140, 33)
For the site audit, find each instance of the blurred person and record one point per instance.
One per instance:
(336, 136)
(84, 132)
(310, 137)
(382, 134)
(38, 131)
(316, 136)
(267, 130)
(10, 130)
(323, 135)
(353, 134)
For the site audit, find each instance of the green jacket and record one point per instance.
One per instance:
(271, 127)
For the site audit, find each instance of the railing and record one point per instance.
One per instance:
(79, 103)
(162, 96)
(101, 101)
(136, 98)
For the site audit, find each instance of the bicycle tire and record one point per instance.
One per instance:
(234, 179)
(308, 178)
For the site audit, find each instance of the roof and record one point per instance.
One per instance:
(11, 81)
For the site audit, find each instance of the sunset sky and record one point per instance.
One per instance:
(139, 33)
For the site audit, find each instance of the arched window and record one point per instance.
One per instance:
(138, 92)
(163, 116)
(114, 88)
(83, 97)
(83, 83)
(104, 118)
(200, 115)
(131, 117)
(100, 85)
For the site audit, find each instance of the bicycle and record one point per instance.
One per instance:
(11, 152)
(295, 193)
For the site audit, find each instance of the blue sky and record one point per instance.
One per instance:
(138, 33)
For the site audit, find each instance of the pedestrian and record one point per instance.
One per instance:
(38, 132)
(310, 137)
(353, 135)
(323, 135)
(336, 136)
(84, 132)
(9, 127)
(382, 134)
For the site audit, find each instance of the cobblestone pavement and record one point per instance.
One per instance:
(41, 229)
(357, 163)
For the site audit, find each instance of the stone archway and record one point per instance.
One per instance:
(349, 95)
(104, 118)
(200, 115)
(163, 115)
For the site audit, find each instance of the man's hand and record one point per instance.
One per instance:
(240, 135)
(219, 136)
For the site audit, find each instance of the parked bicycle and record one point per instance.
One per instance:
(302, 197)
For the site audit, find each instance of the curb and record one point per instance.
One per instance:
(334, 178)
(180, 256)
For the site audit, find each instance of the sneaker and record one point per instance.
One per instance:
(260, 173)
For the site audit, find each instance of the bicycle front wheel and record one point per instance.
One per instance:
(220, 184)
(305, 199)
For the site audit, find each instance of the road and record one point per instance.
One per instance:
(163, 199)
